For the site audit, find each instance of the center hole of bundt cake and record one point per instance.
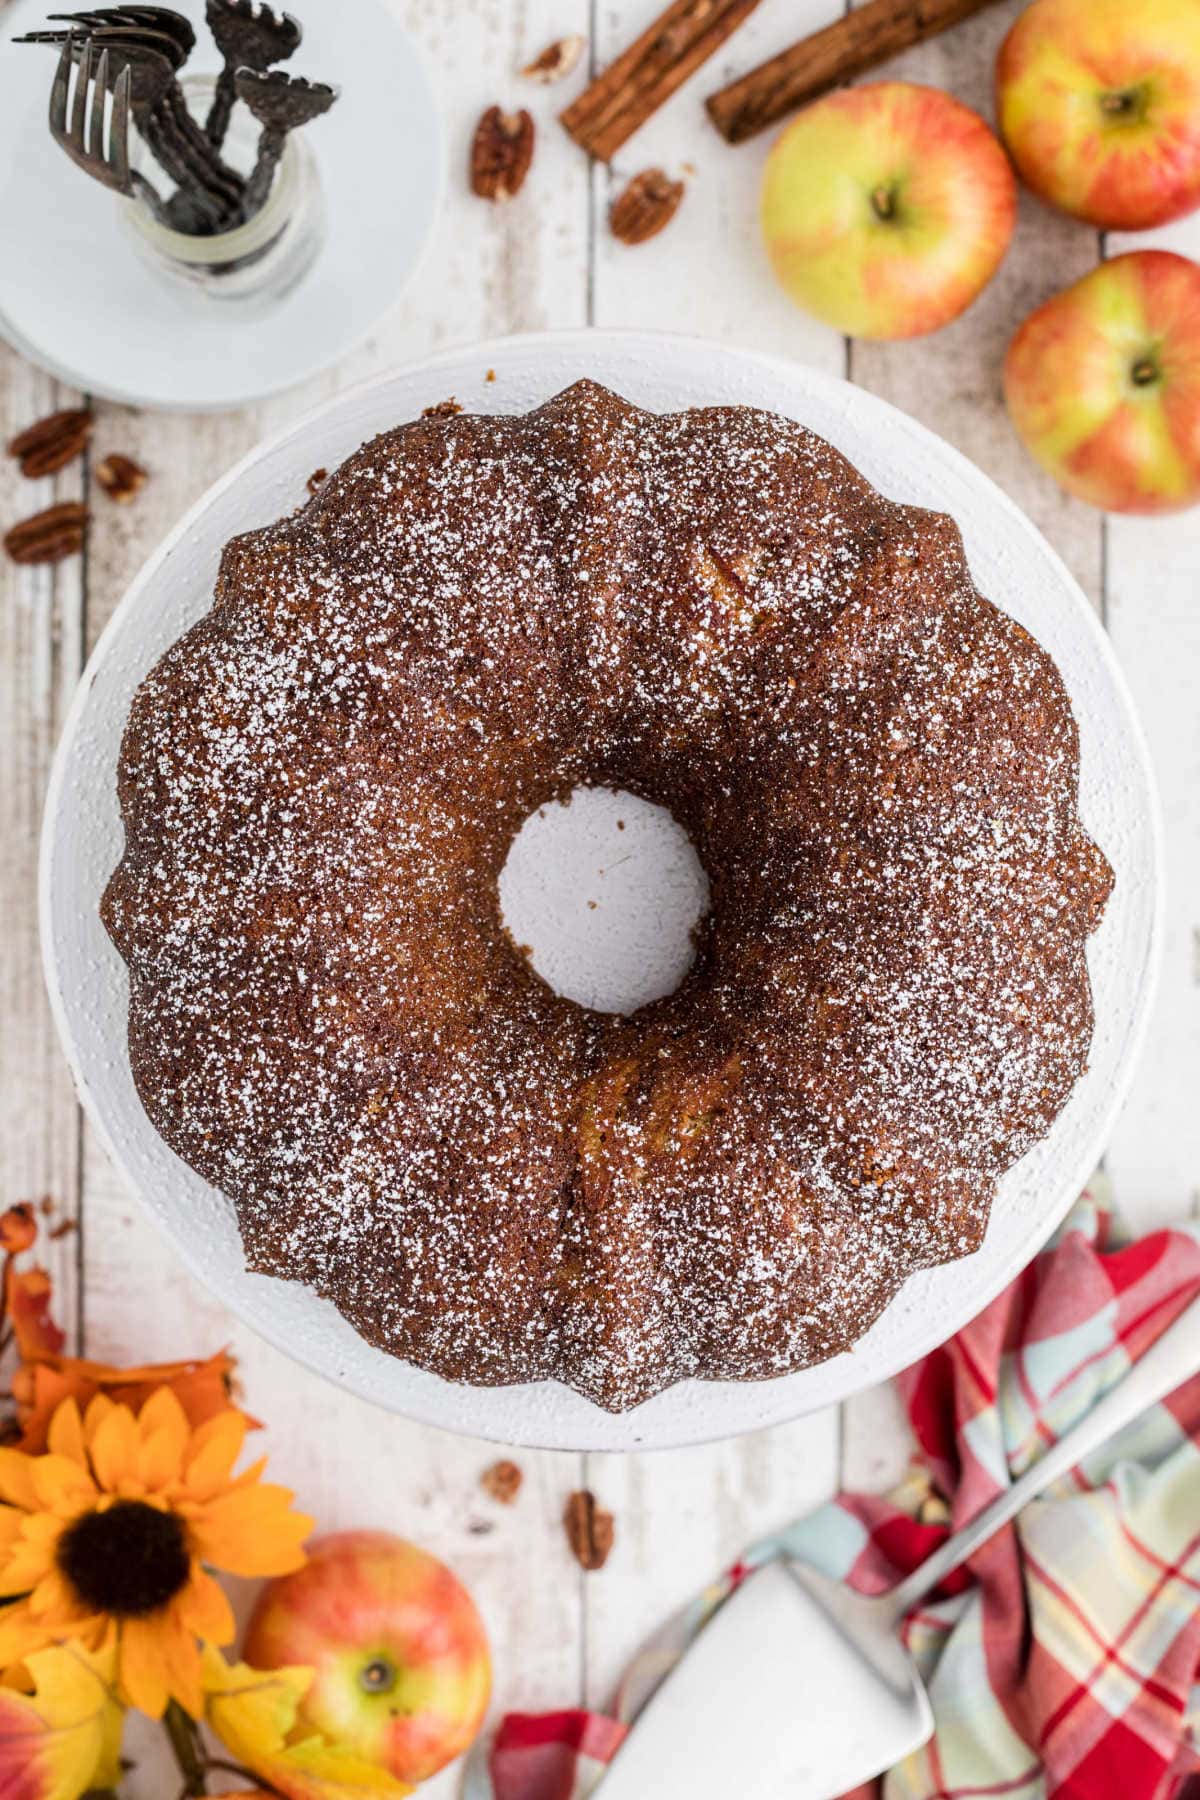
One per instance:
(602, 891)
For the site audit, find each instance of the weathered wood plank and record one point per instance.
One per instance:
(41, 633)
(1153, 579)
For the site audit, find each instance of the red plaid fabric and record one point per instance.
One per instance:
(1063, 1663)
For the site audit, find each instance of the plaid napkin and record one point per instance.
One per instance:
(1064, 1660)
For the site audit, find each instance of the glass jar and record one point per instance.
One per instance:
(253, 264)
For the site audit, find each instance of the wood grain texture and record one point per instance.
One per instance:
(1152, 581)
(41, 636)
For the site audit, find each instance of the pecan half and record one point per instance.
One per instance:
(120, 477)
(556, 60)
(49, 536)
(52, 442)
(501, 152)
(590, 1530)
(316, 480)
(648, 204)
(502, 1480)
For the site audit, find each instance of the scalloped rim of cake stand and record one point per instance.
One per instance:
(1013, 564)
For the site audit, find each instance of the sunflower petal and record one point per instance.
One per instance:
(216, 1446)
(16, 1480)
(114, 1450)
(28, 1561)
(20, 1633)
(98, 1409)
(61, 1486)
(252, 1531)
(12, 1523)
(204, 1608)
(141, 1667)
(65, 1437)
(181, 1656)
(165, 1432)
(55, 1601)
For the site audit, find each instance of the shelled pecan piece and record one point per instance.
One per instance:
(501, 152)
(502, 1480)
(650, 202)
(49, 536)
(120, 477)
(590, 1530)
(51, 443)
(556, 60)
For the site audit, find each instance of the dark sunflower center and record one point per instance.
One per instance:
(127, 1561)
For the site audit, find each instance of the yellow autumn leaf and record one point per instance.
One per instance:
(253, 1712)
(62, 1736)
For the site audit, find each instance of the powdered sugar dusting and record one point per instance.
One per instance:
(321, 782)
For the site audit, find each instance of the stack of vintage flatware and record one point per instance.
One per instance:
(134, 54)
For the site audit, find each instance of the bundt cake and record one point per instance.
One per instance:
(889, 1001)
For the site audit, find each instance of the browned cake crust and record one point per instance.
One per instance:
(321, 781)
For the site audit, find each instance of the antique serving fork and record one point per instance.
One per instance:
(280, 103)
(249, 36)
(82, 136)
(157, 41)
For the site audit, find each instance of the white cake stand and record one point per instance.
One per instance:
(1012, 564)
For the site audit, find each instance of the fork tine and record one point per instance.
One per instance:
(95, 144)
(60, 90)
(119, 152)
(82, 82)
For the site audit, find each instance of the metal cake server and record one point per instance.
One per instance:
(799, 1689)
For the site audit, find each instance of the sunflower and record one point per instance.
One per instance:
(105, 1539)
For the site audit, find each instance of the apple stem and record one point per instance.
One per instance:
(883, 202)
(1144, 371)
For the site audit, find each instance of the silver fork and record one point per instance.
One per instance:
(82, 136)
(159, 109)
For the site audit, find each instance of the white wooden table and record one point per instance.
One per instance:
(546, 260)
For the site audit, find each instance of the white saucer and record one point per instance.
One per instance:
(75, 298)
(1012, 563)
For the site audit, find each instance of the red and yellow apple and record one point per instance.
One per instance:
(403, 1671)
(1099, 104)
(1103, 383)
(887, 208)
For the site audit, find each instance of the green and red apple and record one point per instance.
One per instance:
(887, 208)
(403, 1671)
(1103, 383)
(1099, 104)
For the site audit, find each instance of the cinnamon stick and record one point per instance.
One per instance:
(637, 83)
(856, 42)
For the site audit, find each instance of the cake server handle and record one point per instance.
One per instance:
(1166, 1365)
